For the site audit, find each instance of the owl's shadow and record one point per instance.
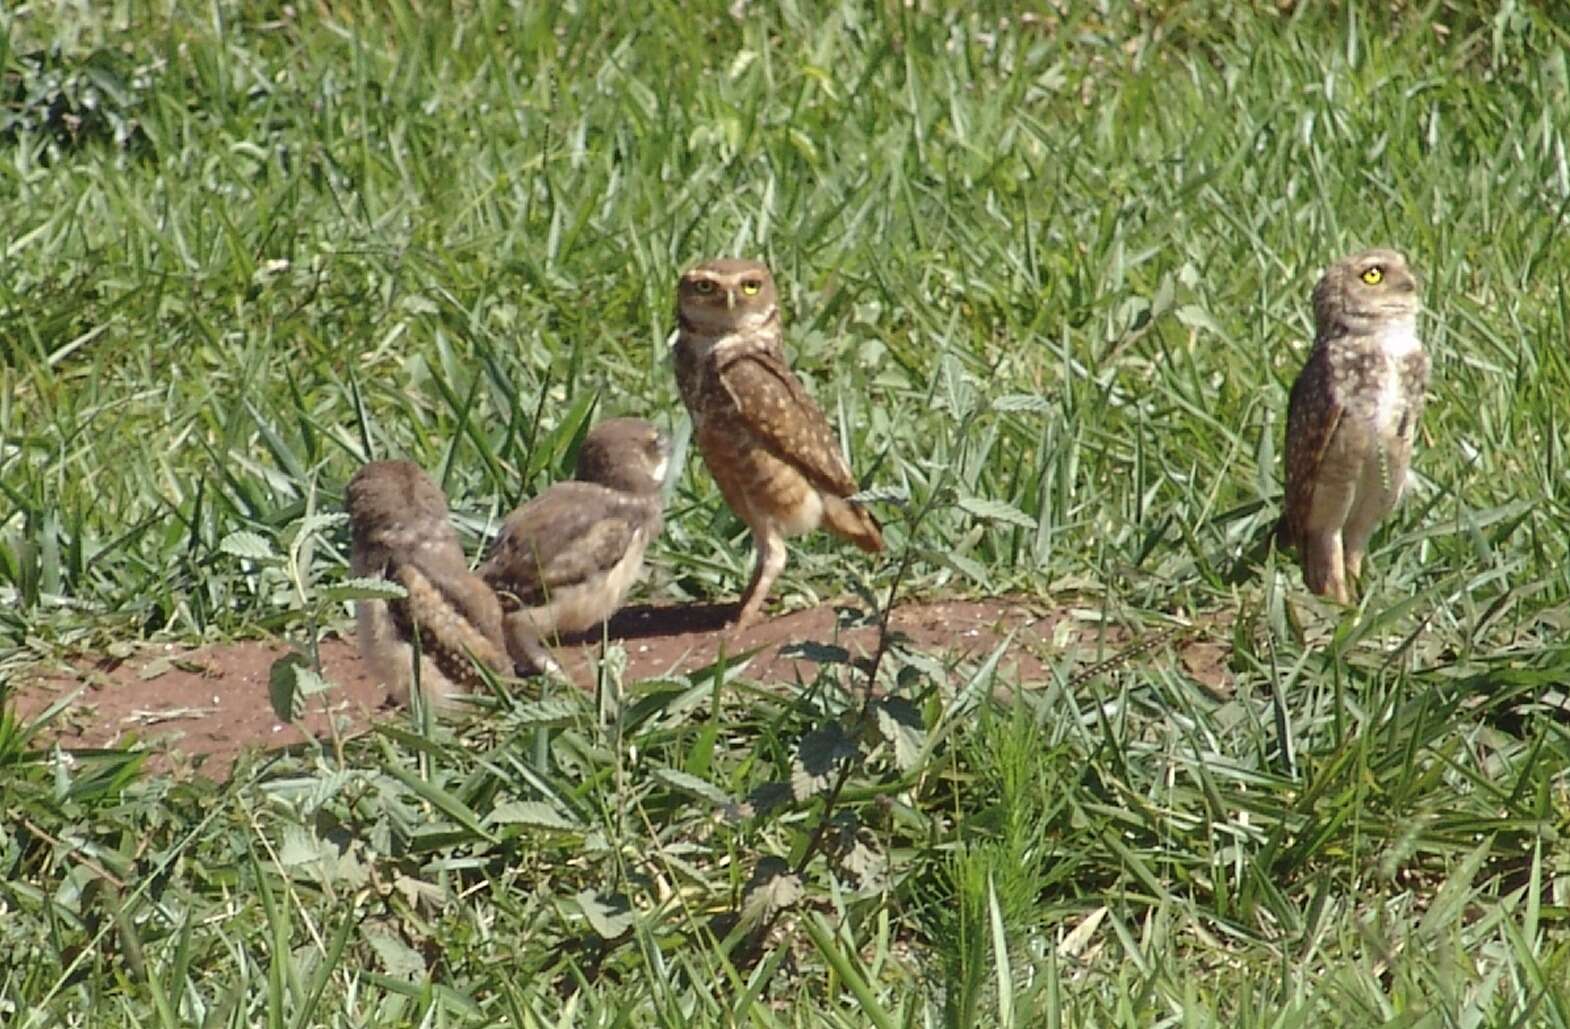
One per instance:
(645, 621)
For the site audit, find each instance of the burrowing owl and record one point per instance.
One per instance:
(564, 561)
(1352, 416)
(401, 532)
(763, 437)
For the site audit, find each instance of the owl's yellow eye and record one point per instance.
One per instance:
(751, 287)
(703, 286)
(1374, 276)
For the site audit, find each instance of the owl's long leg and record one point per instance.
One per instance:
(1356, 547)
(771, 561)
(1376, 498)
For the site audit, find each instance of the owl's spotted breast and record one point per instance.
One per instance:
(1380, 379)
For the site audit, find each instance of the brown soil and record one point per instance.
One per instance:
(200, 707)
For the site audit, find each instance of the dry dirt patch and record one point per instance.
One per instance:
(202, 707)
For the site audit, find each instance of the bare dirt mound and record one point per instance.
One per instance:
(199, 708)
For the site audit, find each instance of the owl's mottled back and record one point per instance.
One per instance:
(400, 531)
(392, 506)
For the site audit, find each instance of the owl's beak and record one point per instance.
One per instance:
(730, 300)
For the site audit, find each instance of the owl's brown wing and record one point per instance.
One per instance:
(1313, 414)
(455, 615)
(451, 587)
(780, 413)
(566, 536)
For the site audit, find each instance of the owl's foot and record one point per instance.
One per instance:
(529, 655)
(747, 615)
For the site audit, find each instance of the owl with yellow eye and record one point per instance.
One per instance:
(765, 440)
(1352, 417)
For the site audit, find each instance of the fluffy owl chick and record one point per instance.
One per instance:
(565, 560)
(764, 439)
(401, 532)
(1352, 417)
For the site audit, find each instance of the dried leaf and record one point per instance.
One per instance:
(154, 668)
(420, 894)
(1074, 943)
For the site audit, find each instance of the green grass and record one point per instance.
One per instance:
(1048, 274)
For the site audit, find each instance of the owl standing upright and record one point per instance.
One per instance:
(401, 532)
(1352, 416)
(564, 561)
(764, 439)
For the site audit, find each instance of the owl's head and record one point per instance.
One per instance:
(726, 295)
(1374, 285)
(385, 499)
(625, 454)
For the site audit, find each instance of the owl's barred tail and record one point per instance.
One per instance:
(854, 523)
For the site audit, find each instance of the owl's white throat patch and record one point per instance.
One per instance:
(1397, 342)
(1399, 339)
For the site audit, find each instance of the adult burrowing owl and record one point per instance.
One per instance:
(565, 560)
(764, 439)
(401, 532)
(1352, 416)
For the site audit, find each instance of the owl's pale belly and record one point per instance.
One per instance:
(584, 605)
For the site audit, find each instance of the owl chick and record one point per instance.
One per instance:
(1352, 416)
(400, 530)
(764, 439)
(565, 560)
